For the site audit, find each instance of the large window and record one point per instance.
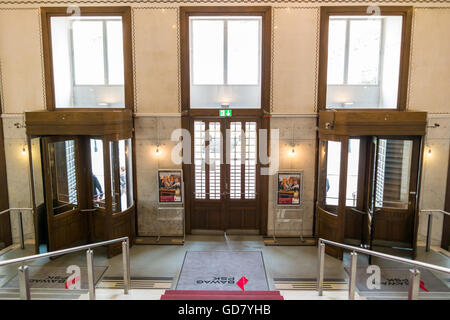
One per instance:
(366, 57)
(225, 57)
(88, 58)
(225, 63)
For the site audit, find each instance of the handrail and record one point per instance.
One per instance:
(24, 275)
(60, 252)
(430, 213)
(15, 209)
(20, 223)
(414, 282)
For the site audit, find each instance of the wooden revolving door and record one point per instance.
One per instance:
(82, 178)
(368, 178)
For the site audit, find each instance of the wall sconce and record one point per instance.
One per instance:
(429, 152)
(158, 151)
(291, 151)
(24, 149)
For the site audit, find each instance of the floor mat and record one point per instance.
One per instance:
(397, 280)
(54, 277)
(223, 270)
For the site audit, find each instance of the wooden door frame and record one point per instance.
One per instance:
(263, 113)
(4, 199)
(445, 241)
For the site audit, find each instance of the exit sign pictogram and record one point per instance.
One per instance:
(225, 113)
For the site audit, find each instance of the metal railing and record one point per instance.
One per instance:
(19, 222)
(414, 280)
(430, 213)
(24, 285)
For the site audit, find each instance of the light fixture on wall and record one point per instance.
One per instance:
(158, 150)
(429, 152)
(24, 149)
(292, 151)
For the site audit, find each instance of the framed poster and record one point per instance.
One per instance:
(289, 191)
(170, 186)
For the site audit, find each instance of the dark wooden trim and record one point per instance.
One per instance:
(264, 12)
(327, 11)
(364, 123)
(5, 225)
(125, 13)
(445, 242)
(94, 123)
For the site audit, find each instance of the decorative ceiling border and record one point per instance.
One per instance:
(93, 2)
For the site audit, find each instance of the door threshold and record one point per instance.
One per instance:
(207, 232)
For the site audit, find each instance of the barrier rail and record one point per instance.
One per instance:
(24, 285)
(20, 222)
(414, 280)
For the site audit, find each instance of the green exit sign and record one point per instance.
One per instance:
(225, 113)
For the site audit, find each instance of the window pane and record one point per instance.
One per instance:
(333, 172)
(250, 160)
(336, 51)
(243, 51)
(352, 172)
(199, 160)
(364, 51)
(214, 160)
(393, 173)
(98, 173)
(88, 52)
(207, 52)
(363, 61)
(115, 52)
(225, 62)
(87, 56)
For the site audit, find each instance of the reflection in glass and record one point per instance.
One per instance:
(333, 172)
(98, 173)
(363, 61)
(121, 175)
(352, 172)
(37, 171)
(393, 173)
(63, 175)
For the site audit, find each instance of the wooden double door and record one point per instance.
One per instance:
(368, 190)
(224, 174)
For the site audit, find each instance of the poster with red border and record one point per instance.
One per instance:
(170, 186)
(289, 190)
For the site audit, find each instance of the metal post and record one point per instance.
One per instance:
(20, 224)
(429, 227)
(126, 266)
(414, 282)
(352, 279)
(24, 283)
(90, 267)
(321, 256)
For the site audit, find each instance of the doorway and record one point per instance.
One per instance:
(225, 174)
(368, 187)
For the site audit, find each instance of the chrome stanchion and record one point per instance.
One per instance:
(321, 260)
(24, 283)
(429, 227)
(352, 279)
(126, 266)
(414, 283)
(20, 224)
(90, 267)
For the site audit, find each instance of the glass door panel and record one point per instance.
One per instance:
(121, 175)
(98, 173)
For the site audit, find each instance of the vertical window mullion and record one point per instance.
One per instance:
(347, 48)
(225, 52)
(105, 54)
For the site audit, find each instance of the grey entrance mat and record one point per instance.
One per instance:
(54, 277)
(397, 280)
(221, 270)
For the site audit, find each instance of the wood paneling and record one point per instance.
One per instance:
(5, 226)
(41, 123)
(365, 123)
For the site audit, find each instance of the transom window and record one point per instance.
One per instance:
(88, 55)
(366, 58)
(225, 61)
